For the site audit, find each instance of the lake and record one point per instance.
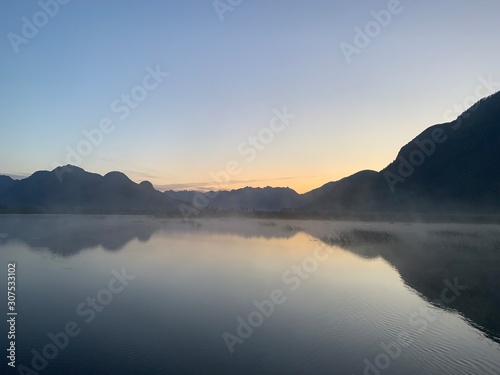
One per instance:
(143, 295)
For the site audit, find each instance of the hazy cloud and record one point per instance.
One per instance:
(210, 185)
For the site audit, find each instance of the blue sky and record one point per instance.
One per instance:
(228, 77)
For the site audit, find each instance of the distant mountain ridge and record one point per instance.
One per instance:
(6, 183)
(81, 191)
(451, 167)
(248, 198)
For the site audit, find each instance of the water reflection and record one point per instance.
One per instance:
(67, 235)
(424, 254)
(463, 255)
(195, 279)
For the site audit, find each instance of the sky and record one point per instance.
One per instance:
(200, 94)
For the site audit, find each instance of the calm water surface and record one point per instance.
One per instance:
(337, 310)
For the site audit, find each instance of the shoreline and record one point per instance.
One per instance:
(468, 218)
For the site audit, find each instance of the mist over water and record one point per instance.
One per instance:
(314, 297)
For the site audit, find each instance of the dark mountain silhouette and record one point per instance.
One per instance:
(6, 183)
(185, 196)
(80, 191)
(261, 199)
(342, 195)
(449, 167)
(459, 169)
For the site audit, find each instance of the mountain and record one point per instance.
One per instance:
(449, 167)
(186, 196)
(248, 198)
(460, 161)
(71, 189)
(6, 183)
(342, 195)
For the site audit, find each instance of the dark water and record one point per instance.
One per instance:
(368, 305)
